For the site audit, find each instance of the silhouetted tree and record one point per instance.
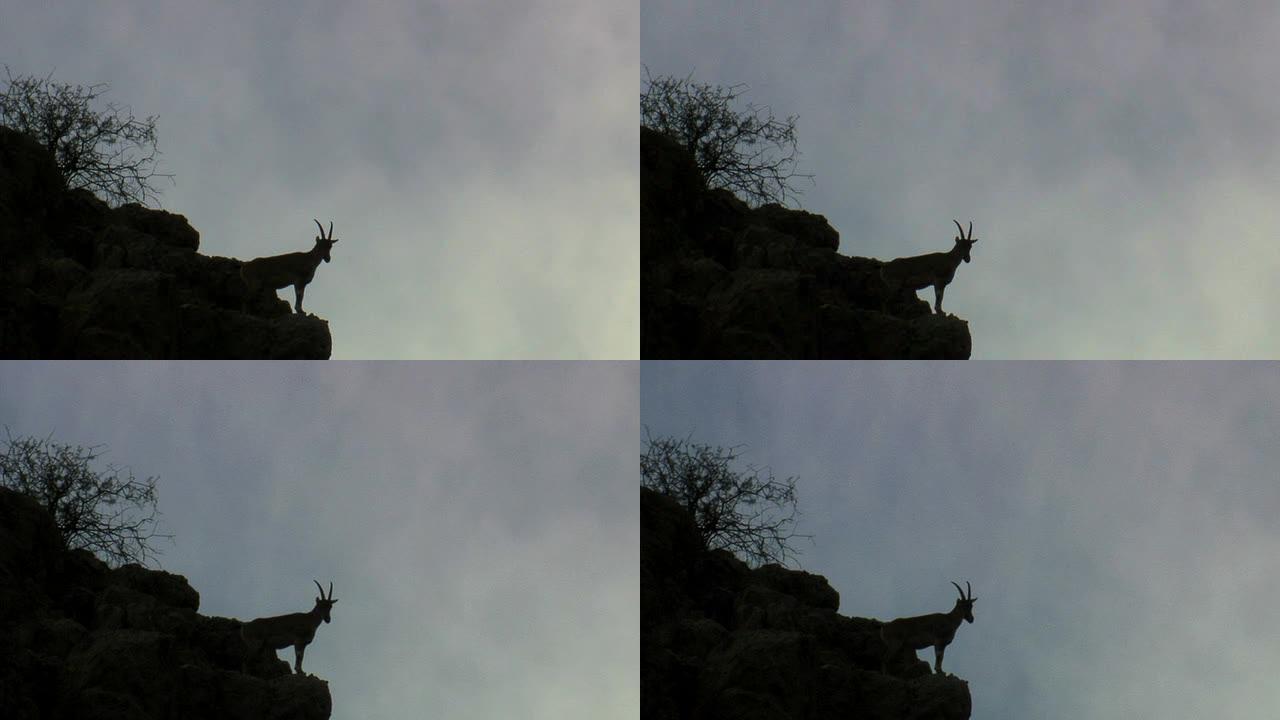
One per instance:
(749, 512)
(107, 151)
(749, 152)
(107, 511)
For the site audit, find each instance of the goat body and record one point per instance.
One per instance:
(921, 631)
(281, 271)
(281, 631)
(920, 271)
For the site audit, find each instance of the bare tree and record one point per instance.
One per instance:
(107, 511)
(749, 512)
(107, 151)
(749, 152)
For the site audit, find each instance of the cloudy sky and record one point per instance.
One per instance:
(478, 520)
(478, 159)
(1119, 160)
(1117, 521)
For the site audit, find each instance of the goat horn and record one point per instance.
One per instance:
(953, 582)
(321, 235)
(317, 582)
(966, 585)
(331, 582)
(968, 238)
(958, 228)
(331, 229)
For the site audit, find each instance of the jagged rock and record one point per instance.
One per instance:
(166, 588)
(812, 590)
(168, 228)
(722, 641)
(720, 280)
(29, 180)
(81, 280)
(807, 227)
(81, 640)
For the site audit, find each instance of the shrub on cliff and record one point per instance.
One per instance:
(98, 146)
(107, 511)
(748, 152)
(749, 512)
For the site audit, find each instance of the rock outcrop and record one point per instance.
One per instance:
(721, 280)
(81, 280)
(721, 641)
(81, 641)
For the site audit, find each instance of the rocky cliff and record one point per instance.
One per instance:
(81, 280)
(721, 280)
(80, 641)
(721, 641)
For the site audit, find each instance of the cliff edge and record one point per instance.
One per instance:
(81, 641)
(721, 641)
(84, 281)
(720, 280)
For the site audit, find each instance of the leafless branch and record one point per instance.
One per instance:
(749, 512)
(107, 511)
(749, 152)
(107, 151)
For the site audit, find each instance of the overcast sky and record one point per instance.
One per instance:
(1116, 520)
(478, 520)
(1118, 160)
(478, 159)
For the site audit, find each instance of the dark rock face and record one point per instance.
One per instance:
(81, 280)
(720, 280)
(720, 641)
(79, 640)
